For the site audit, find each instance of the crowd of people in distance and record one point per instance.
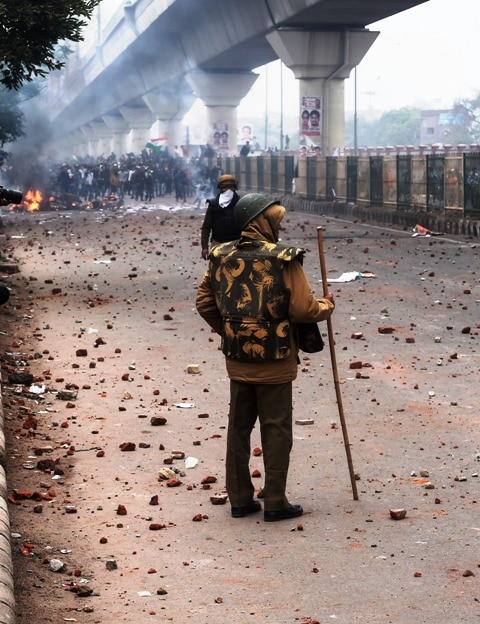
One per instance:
(142, 177)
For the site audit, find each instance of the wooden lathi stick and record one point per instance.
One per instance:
(331, 343)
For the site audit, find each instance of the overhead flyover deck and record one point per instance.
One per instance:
(155, 57)
(149, 43)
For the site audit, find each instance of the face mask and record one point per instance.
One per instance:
(225, 198)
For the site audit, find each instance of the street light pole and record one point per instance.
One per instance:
(266, 107)
(355, 118)
(281, 106)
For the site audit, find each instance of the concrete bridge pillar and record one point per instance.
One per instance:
(104, 138)
(322, 60)
(90, 140)
(221, 92)
(168, 109)
(140, 121)
(77, 140)
(96, 138)
(119, 129)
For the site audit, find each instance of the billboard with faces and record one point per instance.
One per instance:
(310, 115)
(220, 136)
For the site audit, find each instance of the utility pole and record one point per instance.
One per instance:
(281, 106)
(355, 115)
(266, 107)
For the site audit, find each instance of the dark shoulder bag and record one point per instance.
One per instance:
(309, 338)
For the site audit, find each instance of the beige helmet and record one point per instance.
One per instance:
(227, 180)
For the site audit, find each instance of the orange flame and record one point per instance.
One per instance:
(32, 200)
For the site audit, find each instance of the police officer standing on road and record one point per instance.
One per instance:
(219, 225)
(254, 294)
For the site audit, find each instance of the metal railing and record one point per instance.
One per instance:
(432, 183)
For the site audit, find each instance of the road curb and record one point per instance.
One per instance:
(7, 589)
(445, 223)
(7, 594)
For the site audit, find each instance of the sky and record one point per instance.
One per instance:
(427, 56)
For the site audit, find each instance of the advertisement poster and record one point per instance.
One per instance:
(220, 136)
(245, 133)
(310, 116)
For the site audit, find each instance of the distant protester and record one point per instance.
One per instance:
(245, 149)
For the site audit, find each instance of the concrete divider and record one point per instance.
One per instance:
(7, 594)
(7, 590)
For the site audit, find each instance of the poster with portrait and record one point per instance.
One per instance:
(245, 133)
(220, 136)
(311, 115)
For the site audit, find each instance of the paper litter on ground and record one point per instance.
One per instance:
(349, 276)
(419, 230)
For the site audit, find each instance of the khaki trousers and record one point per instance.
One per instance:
(272, 405)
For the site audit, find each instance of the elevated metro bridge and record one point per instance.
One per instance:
(155, 57)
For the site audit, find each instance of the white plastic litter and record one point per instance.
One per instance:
(191, 462)
(37, 389)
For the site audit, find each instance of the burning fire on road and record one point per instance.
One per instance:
(34, 200)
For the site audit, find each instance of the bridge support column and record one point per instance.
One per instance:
(104, 138)
(169, 109)
(119, 129)
(140, 121)
(321, 61)
(77, 143)
(221, 92)
(97, 139)
(90, 140)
